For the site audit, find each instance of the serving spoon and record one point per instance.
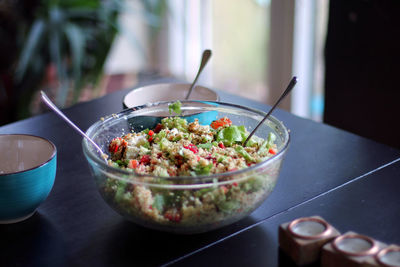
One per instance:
(51, 105)
(206, 56)
(289, 88)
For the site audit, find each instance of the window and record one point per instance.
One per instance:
(258, 45)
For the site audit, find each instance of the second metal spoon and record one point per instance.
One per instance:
(284, 94)
(51, 105)
(206, 56)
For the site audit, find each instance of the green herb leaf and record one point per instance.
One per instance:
(232, 134)
(164, 144)
(221, 158)
(121, 163)
(203, 191)
(159, 202)
(267, 144)
(228, 206)
(175, 107)
(244, 153)
(175, 122)
(203, 170)
(205, 146)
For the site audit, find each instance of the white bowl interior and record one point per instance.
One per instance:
(167, 92)
(23, 152)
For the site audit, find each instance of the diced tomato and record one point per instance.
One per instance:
(210, 157)
(192, 148)
(235, 184)
(133, 163)
(116, 143)
(111, 148)
(221, 145)
(215, 125)
(225, 189)
(158, 128)
(221, 122)
(272, 151)
(173, 216)
(150, 135)
(177, 217)
(145, 159)
(171, 172)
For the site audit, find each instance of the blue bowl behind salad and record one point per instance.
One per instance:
(187, 204)
(138, 123)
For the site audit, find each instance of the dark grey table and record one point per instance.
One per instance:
(349, 180)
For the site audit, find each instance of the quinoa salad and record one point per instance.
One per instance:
(178, 148)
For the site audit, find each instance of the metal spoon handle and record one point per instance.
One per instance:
(206, 56)
(284, 94)
(50, 104)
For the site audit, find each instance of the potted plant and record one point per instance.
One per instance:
(58, 43)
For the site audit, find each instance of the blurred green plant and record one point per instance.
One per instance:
(72, 37)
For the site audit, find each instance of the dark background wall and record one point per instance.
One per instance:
(362, 85)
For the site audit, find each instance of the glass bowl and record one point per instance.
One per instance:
(200, 203)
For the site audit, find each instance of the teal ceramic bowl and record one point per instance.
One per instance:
(27, 173)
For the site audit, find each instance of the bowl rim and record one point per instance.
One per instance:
(94, 156)
(132, 90)
(53, 154)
